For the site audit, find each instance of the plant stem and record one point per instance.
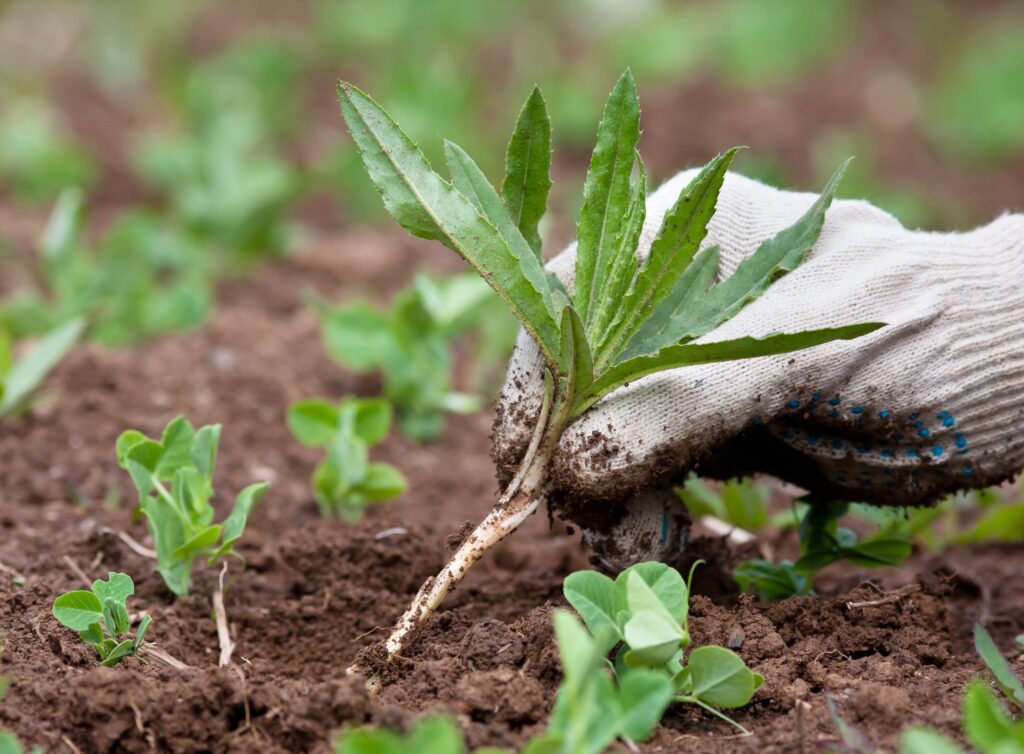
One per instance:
(521, 498)
(227, 647)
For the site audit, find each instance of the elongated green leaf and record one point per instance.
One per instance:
(1008, 681)
(204, 450)
(682, 231)
(596, 598)
(721, 678)
(606, 194)
(471, 182)
(662, 326)
(234, 524)
(428, 206)
(577, 363)
(528, 169)
(706, 353)
(28, 372)
(202, 540)
(927, 741)
(643, 697)
(140, 632)
(773, 258)
(78, 610)
(117, 653)
(986, 723)
(624, 262)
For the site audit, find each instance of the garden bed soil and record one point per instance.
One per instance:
(315, 593)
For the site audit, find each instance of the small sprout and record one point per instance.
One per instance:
(174, 479)
(411, 344)
(101, 618)
(346, 481)
(643, 616)
(20, 377)
(822, 542)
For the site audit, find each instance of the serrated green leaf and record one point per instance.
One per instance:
(606, 194)
(624, 263)
(78, 610)
(528, 169)
(31, 369)
(1009, 682)
(773, 259)
(662, 327)
(707, 353)
(720, 678)
(471, 182)
(428, 206)
(683, 229)
(595, 597)
(577, 363)
(643, 697)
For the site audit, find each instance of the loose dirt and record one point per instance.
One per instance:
(315, 594)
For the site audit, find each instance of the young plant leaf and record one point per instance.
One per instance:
(234, 524)
(986, 723)
(643, 697)
(1008, 681)
(720, 678)
(28, 372)
(773, 259)
(683, 229)
(313, 422)
(597, 599)
(78, 610)
(528, 169)
(471, 182)
(665, 582)
(926, 741)
(692, 354)
(606, 195)
(428, 206)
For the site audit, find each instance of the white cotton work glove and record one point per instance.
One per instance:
(922, 407)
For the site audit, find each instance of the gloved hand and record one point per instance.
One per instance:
(922, 407)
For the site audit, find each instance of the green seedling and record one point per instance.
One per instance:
(643, 617)
(37, 160)
(21, 376)
(411, 344)
(822, 542)
(101, 618)
(987, 725)
(174, 479)
(223, 173)
(623, 320)
(437, 734)
(143, 278)
(345, 482)
(740, 502)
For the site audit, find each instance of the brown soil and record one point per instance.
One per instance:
(315, 593)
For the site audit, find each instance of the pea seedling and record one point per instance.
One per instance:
(345, 482)
(644, 614)
(624, 319)
(174, 479)
(101, 617)
(20, 377)
(822, 542)
(411, 344)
